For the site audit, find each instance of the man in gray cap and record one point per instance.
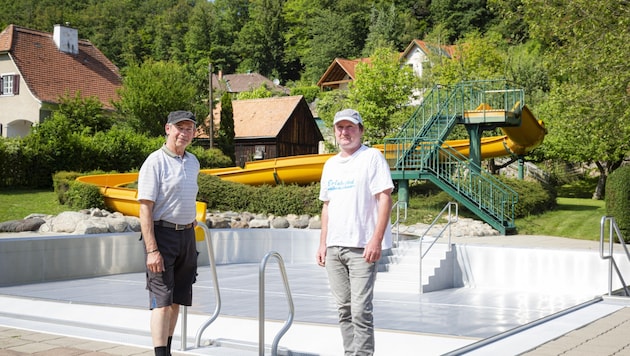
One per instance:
(356, 187)
(167, 192)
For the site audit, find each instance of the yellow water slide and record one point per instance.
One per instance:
(306, 169)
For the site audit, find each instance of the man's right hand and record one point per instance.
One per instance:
(155, 263)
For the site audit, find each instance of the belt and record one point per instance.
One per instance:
(173, 226)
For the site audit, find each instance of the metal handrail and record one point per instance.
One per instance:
(261, 305)
(217, 294)
(447, 207)
(396, 224)
(613, 231)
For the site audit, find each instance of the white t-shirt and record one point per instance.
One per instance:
(170, 181)
(350, 185)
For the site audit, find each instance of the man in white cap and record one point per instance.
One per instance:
(167, 192)
(356, 187)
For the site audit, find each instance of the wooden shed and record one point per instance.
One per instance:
(274, 127)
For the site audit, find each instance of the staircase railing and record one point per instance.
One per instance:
(613, 233)
(451, 219)
(418, 151)
(480, 191)
(432, 121)
(398, 206)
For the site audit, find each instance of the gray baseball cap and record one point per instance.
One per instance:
(350, 115)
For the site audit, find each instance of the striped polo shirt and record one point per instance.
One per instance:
(170, 181)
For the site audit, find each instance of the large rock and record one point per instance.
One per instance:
(65, 222)
(28, 224)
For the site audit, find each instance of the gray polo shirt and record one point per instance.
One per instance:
(170, 181)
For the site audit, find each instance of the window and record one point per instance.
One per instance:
(10, 84)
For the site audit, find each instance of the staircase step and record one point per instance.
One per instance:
(401, 272)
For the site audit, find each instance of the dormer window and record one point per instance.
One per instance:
(9, 84)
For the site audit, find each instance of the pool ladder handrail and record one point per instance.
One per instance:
(451, 219)
(396, 225)
(613, 231)
(217, 293)
(261, 304)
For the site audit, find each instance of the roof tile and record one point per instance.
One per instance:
(263, 117)
(51, 73)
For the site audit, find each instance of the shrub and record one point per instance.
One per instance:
(61, 184)
(533, 197)
(84, 196)
(277, 200)
(310, 92)
(210, 158)
(618, 199)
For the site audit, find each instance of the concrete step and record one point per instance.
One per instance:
(401, 270)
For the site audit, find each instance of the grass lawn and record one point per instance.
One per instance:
(575, 217)
(17, 204)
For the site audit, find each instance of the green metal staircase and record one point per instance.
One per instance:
(419, 151)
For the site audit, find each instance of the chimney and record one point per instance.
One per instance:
(66, 39)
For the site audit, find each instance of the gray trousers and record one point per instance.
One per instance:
(352, 284)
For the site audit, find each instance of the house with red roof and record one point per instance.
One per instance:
(38, 68)
(339, 73)
(343, 71)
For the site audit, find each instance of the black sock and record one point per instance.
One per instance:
(168, 345)
(161, 351)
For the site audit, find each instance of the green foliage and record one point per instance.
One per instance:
(226, 134)
(461, 16)
(589, 76)
(118, 149)
(476, 57)
(17, 165)
(210, 158)
(223, 195)
(380, 92)
(618, 199)
(534, 198)
(329, 103)
(385, 28)
(61, 184)
(258, 93)
(84, 113)
(260, 42)
(309, 92)
(52, 147)
(84, 196)
(331, 36)
(150, 91)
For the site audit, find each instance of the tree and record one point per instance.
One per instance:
(476, 57)
(225, 139)
(380, 92)
(84, 114)
(462, 16)
(152, 90)
(588, 109)
(385, 29)
(329, 40)
(261, 42)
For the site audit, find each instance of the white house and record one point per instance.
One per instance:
(39, 68)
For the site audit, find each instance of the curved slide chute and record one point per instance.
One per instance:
(306, 169)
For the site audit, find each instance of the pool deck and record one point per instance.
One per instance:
(108, 316)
